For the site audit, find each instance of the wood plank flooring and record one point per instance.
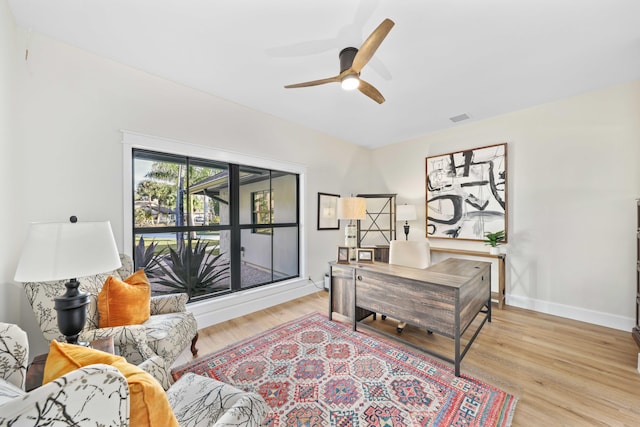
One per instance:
(564, 372)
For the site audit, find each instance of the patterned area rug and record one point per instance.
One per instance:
(314, 372)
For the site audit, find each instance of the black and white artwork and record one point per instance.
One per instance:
(467, 193)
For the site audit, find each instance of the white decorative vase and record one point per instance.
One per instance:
(494, 250)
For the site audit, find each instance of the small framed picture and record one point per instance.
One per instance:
(343, 254)
(364, 255)
(328, 211)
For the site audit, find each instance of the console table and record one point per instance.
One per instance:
(444, 298)
(499, 296)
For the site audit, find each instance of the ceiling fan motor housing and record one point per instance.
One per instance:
(346, 56)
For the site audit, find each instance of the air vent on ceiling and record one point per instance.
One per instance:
(459, 118)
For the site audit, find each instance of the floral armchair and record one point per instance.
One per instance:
(94, 395)
(199, 401)
(99, 394)
(167, 333)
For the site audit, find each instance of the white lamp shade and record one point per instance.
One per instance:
(352, 208)
(405, 212)
(57, 251)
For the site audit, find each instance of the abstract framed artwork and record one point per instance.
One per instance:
(467, 193)
(328, 211)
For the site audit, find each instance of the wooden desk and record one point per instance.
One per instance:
(498, 296)
(444, 298)
(35, 372)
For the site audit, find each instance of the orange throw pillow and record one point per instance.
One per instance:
(124, 302)
(148, 402)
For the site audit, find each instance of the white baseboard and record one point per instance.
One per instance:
(576, 313)
(228, 307)
(225, 308)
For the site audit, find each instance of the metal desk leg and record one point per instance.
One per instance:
(457, 355)
(501, 280)
(354, 317)
(330, 292)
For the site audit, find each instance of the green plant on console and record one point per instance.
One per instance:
(494, 239)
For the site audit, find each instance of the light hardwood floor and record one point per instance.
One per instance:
(564, 372)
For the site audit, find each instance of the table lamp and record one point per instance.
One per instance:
(59, 251)
(406, 213)
(351, 208)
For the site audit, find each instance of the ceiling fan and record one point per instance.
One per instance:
(352, 61)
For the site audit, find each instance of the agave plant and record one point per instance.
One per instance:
(193, 269)
(146, 257)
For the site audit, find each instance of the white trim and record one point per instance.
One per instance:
(571, 312)
(174, 146)
(127, 202)
(216, 310)
(243, 302)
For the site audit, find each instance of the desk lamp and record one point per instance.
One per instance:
(406, 213)
(59, 251)
(351, 208)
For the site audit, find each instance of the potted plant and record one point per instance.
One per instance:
(493, 240)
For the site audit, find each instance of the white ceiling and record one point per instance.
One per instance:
(443, 57)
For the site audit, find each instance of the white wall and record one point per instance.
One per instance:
(10, 293)
(69, 110)
(574, 175)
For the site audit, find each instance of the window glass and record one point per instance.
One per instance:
(209, 192)
(189, 238)
(174, 263)
(253, 181)
(285, 206)
(256, 258)
(262, 205)
(285, 252)
(158, 200)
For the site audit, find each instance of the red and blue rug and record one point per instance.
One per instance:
(314, 372)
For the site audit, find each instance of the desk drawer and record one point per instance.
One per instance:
(421, 304)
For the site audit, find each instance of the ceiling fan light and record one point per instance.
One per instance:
(350, 82)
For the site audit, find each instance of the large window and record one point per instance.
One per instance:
(209, 228)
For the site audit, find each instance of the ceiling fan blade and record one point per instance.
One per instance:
(315, 82)
(371, 44)
(370, 91)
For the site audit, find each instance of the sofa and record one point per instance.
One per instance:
(99, 394)
(168, 331)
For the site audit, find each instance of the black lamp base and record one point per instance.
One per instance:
(406, 230)
(72, 311)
